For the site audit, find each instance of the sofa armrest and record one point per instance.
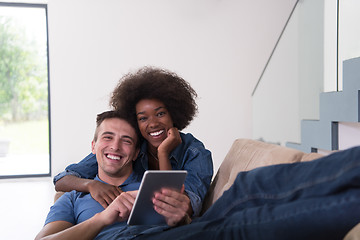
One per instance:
(57, 195)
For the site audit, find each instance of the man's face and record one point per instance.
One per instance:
(115, 147)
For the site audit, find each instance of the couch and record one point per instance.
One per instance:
(247, 154)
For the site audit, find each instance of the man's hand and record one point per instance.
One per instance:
(119, 209)
(175, 206)
(103, 193)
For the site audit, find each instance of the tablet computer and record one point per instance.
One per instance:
(143, 212)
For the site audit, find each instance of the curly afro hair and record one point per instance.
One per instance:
(154, 83)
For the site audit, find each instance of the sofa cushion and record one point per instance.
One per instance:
(354, 234)
(245, 155)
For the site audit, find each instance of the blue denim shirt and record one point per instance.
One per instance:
(190, 155)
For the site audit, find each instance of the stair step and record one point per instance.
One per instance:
(335, 107)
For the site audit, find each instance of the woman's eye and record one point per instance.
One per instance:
(161, 114)
(142, 119)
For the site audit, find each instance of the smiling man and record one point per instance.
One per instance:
(115, 147)
(76, 215)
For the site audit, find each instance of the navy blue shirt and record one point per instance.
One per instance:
(190, 155)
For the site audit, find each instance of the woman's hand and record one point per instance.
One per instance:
(166, 147)
(171, 142)
(103, 193)
(175, 206)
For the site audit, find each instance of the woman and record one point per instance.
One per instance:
(162, 104)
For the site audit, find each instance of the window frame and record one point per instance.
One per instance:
(44, 6)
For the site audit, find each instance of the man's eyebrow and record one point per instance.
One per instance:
(108, 132)
(123, 136)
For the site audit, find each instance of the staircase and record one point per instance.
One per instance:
(335, 107)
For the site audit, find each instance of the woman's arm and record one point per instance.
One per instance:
(197, 160)
(177, 207)
(79, 177)
(101, 192)
(86, 168)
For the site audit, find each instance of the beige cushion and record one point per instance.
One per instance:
(247, 154)
(354, 234)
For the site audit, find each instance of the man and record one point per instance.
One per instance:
(76, 215)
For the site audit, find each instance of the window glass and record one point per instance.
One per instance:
(24, 104)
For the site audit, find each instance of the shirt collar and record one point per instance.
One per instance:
(175, 155)
(134, 177)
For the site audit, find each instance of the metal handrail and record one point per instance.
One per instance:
(277, 42)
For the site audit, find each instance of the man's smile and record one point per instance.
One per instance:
(112, 156)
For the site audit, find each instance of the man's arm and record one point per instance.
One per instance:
(67, 231)
(119, 210)
(101, 192)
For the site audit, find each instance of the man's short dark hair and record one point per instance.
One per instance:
(115, 114)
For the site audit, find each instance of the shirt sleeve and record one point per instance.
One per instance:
(195, 201)
(198, 163)
(63, 209)
(86, 168)
(63, 174)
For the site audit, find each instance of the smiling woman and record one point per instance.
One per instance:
(24, 98)
(161, 104)
(157, 128)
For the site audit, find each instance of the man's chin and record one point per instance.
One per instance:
(117, 167)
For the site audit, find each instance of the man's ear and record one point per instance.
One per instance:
(93, 147)
(136, 154)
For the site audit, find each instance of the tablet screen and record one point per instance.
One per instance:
(143, 212)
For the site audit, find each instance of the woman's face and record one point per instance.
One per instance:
(154, 120)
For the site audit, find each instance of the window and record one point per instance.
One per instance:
(24, 91)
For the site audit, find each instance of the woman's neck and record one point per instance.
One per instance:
(153, 160)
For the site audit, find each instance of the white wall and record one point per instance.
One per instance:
(220, 47)
(276, 99)
(289, 90)
(349, 135)
(349, 37)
